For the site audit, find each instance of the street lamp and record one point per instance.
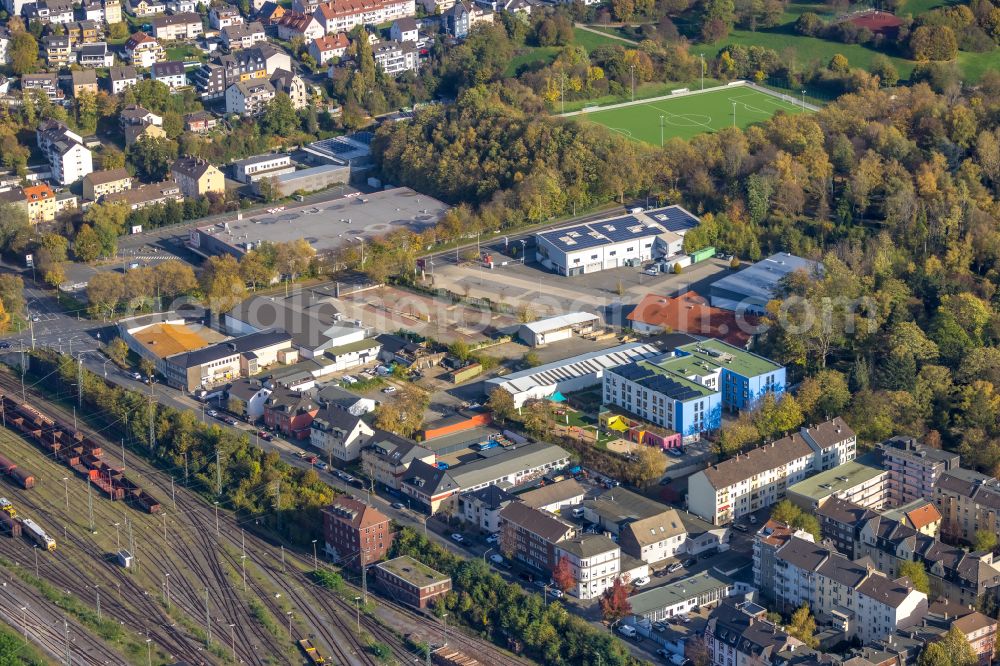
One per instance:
(289, 614)
(149, 652)
(803, 100)
(232, 635)
(357, 608)
(118, 536)
(702, 56)
(488, 551)
(315, 560)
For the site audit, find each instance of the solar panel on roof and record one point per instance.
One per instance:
(673, 218)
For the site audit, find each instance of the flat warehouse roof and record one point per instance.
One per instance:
(761, 279)
(327, 226)
(676, 593)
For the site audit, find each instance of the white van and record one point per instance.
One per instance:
(627, 630)
(578, 512)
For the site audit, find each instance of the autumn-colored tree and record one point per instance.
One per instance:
(501, 404)
(802, 626)
(615, 604)
(917, 574)
(562, 575)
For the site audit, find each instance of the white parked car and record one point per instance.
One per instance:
(457, 538)
(676, 566)
(389, 389)
(557, 593)
(627, 630)
(496, 558)
(641, 582)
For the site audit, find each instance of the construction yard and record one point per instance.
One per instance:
(201, 586)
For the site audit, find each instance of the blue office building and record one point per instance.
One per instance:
(686, 391)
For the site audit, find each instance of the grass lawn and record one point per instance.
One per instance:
(591, 40)
(690, 115)
(807, 49)
(532, 54)
(185, 52)
(976, 64)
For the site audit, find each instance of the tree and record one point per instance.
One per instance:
(86, 244)
(935, 654)
(531, 359)
(267, 188)
(501, 404)
(112, 158)
(15, 229)
(785, 512)
(104, 291)
(562, 575)
(12, 293)
(958, 648)
(147, 367)
(152, 157)
(776, 416)
(117, 351)
(222, 283)
(648, 467)
(917, 574)
(293, 258)
(614, 602)
(802, 626)
(839, 64)
(985, 540)
(933, 42)
(23, 53)
(174, 278)
(697, 651)
(280, 117)
(736, 436)
(255, 269)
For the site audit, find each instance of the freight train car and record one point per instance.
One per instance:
(9, 525)
(22, 478)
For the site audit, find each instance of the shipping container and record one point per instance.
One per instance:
(683, 261)
(702, 254)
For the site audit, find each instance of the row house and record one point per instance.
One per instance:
(151, 194)
(482, 507)
(328, 48)
(290, 412)
(956, 574)
(851, 596)
(345, 15)
(404, 30)
(388, 459)
(429, 488)
(69, 159)
(292, 85)
(969, 502)
(136, 115)
(122, 78)
(243, 35)
(739, 634)
(757, 479)
(142, 50)
(459, 20)
(185, 26)
(339, 433)
(224, 16)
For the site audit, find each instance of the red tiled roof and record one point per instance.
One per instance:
(923, 516)
(691, 313)
(332, 42)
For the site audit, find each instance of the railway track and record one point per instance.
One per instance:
(192, 521)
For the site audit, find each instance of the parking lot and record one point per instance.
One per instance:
(545, 293)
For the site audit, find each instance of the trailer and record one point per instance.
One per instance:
(311, 652)
(37, 534)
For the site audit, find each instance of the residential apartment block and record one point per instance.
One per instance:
(196, 177)
(851, 596)
(257, 62)
(184, 26)
(530, 535)
(759, 478)
(482, 507)
(142, 50)
(738, 634)
(99, 183)
(249, 98)
(856, 481)
(147, 195)
(356, 535)
(69, 159)
(956, 574)
(41, 203)
(345, 15)
(969, 502)
(395, 58)
(687, 391)
(914, 468)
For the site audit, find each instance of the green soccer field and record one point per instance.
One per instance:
(688, 115)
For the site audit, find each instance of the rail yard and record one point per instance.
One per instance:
(199, 586)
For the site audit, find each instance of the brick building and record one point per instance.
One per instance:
(356, 534)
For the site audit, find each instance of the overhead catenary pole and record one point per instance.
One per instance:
(98, 589)
(208, 621)
(218, 474)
